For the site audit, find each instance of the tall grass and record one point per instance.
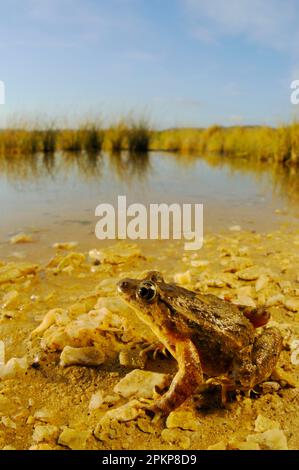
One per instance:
(138, 136)
(279, 144)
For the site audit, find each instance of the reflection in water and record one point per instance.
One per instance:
(88, 165)
(127, 167)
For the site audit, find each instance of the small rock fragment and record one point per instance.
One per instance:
(249, 274)
(273, 439)
(45, 432)
(21, 238)
(13, 367)
(174, 436)
(183, 419)
(65, 245)
(74, 439)
(261, 282)
(140, 383)
(96, 400)
(292, 305)
(274, 300)
(221, 445)
(262, 423)
(235, 228)
(89, 356)
(8, 422)
(124, 413)
(182, 278)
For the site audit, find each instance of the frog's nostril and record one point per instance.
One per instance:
(122, 285)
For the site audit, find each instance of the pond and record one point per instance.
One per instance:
(55, 196)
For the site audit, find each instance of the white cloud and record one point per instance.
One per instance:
(272, 23)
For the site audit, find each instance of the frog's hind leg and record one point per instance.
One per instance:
(186, 380)
(265, 353)
(258, 364)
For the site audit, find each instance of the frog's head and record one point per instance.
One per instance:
(143, 295)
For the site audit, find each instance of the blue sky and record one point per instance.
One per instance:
(182, 62)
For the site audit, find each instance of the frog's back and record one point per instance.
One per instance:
(212, 319)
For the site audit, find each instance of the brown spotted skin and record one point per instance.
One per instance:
(206, 335)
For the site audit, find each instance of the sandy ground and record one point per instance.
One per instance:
(48, 406)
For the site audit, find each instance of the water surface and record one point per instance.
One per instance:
(56, 195)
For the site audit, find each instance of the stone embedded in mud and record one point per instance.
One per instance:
(242, 445)
(174, 436)
(292, 305)
(45, 415)
(74, 439)
(124, 413)
(236, 264)
(8, 422)
(262, 424)
(54, 339)
(221, 445)
(215, 282)
(183, 419)
(21, 238)
(270, 387)
(235, 228)
(182, 278)
(51, 317)
(116, 254)
(88, 356)
(284, 378)
(141, 383)
(61, 263)
(45, 432)
(12, 271)
(295, 352)
(41, 446)
(274, 300)
(96, 400)
(249, 274)
(261, 282)
(199, 263)
(245, 300)
(65, 245)
(13, 367)
(272, 439)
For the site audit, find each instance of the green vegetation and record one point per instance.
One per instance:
(263, 143)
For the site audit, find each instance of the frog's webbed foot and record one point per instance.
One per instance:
(155, 348)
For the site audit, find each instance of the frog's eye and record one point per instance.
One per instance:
(147, 291)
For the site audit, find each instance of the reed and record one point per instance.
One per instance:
(92, 137)
(279, 144)
(138, 136)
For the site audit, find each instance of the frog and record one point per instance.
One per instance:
(209, 337)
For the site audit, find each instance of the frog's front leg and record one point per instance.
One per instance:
(257, 366)
(186, 380)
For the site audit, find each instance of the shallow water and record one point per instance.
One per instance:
(56, 195)
(53, 198)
